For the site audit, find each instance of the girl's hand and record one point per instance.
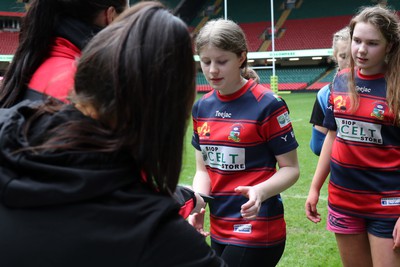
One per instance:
(311, 206)
(396, 236)
(197, 221)
(251, 208)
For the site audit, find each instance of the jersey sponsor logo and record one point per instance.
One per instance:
(283, 119)
(223, 114)
(390, 201)
(359, 131)
(378, 111)
(234, 134)
(284, 138)
(224, 158)
(336, 222)
(277, 97)
(242, 228)
(204, 131)
(363, 89)
(340, 103)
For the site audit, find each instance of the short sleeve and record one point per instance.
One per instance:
(277, 127)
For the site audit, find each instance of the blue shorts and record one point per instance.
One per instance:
(340, 223)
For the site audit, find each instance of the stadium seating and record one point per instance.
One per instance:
(201, 83)
(324, 80)
(255, 33)
(293, 78)
(9, 42)
(309, 25)
(318, 33)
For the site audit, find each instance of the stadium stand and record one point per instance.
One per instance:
(324, 80)
(318, 32)
(11, 12)
(309, 24)
(9, 42)
(302, 25)
(255, 33)
(201, 83)
(294, 78)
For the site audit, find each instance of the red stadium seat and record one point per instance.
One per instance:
(8, 42)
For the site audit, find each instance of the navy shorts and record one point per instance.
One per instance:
(340, 223)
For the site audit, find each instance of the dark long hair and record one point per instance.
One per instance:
(139, 74)
(37, 30)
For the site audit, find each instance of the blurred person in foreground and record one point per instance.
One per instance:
(53, 34)
(91, 183)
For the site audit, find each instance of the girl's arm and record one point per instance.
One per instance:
(201, 184)
(320, 175)
(201, 180)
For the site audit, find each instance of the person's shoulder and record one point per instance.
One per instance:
(55, 76)
(204, 100)
(17, 110)
(324, 91)
(207, 96)
(264, 94)
(258, 90)
(5, 115)
(340, 82)
(343, 73)
(273, 100)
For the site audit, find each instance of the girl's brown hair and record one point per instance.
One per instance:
(228, 36)
(387, 22)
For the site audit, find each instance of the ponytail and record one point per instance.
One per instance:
(249, 73)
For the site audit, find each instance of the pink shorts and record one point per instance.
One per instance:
(340, 223)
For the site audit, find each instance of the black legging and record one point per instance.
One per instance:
(236, 256)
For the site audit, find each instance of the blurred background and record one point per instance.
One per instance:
(296, 47)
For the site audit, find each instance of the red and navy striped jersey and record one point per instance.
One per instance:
(239, 136)
(365, 160)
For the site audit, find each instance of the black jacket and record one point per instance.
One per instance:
(73, 209)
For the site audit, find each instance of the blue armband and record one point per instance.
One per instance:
(316, 142)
